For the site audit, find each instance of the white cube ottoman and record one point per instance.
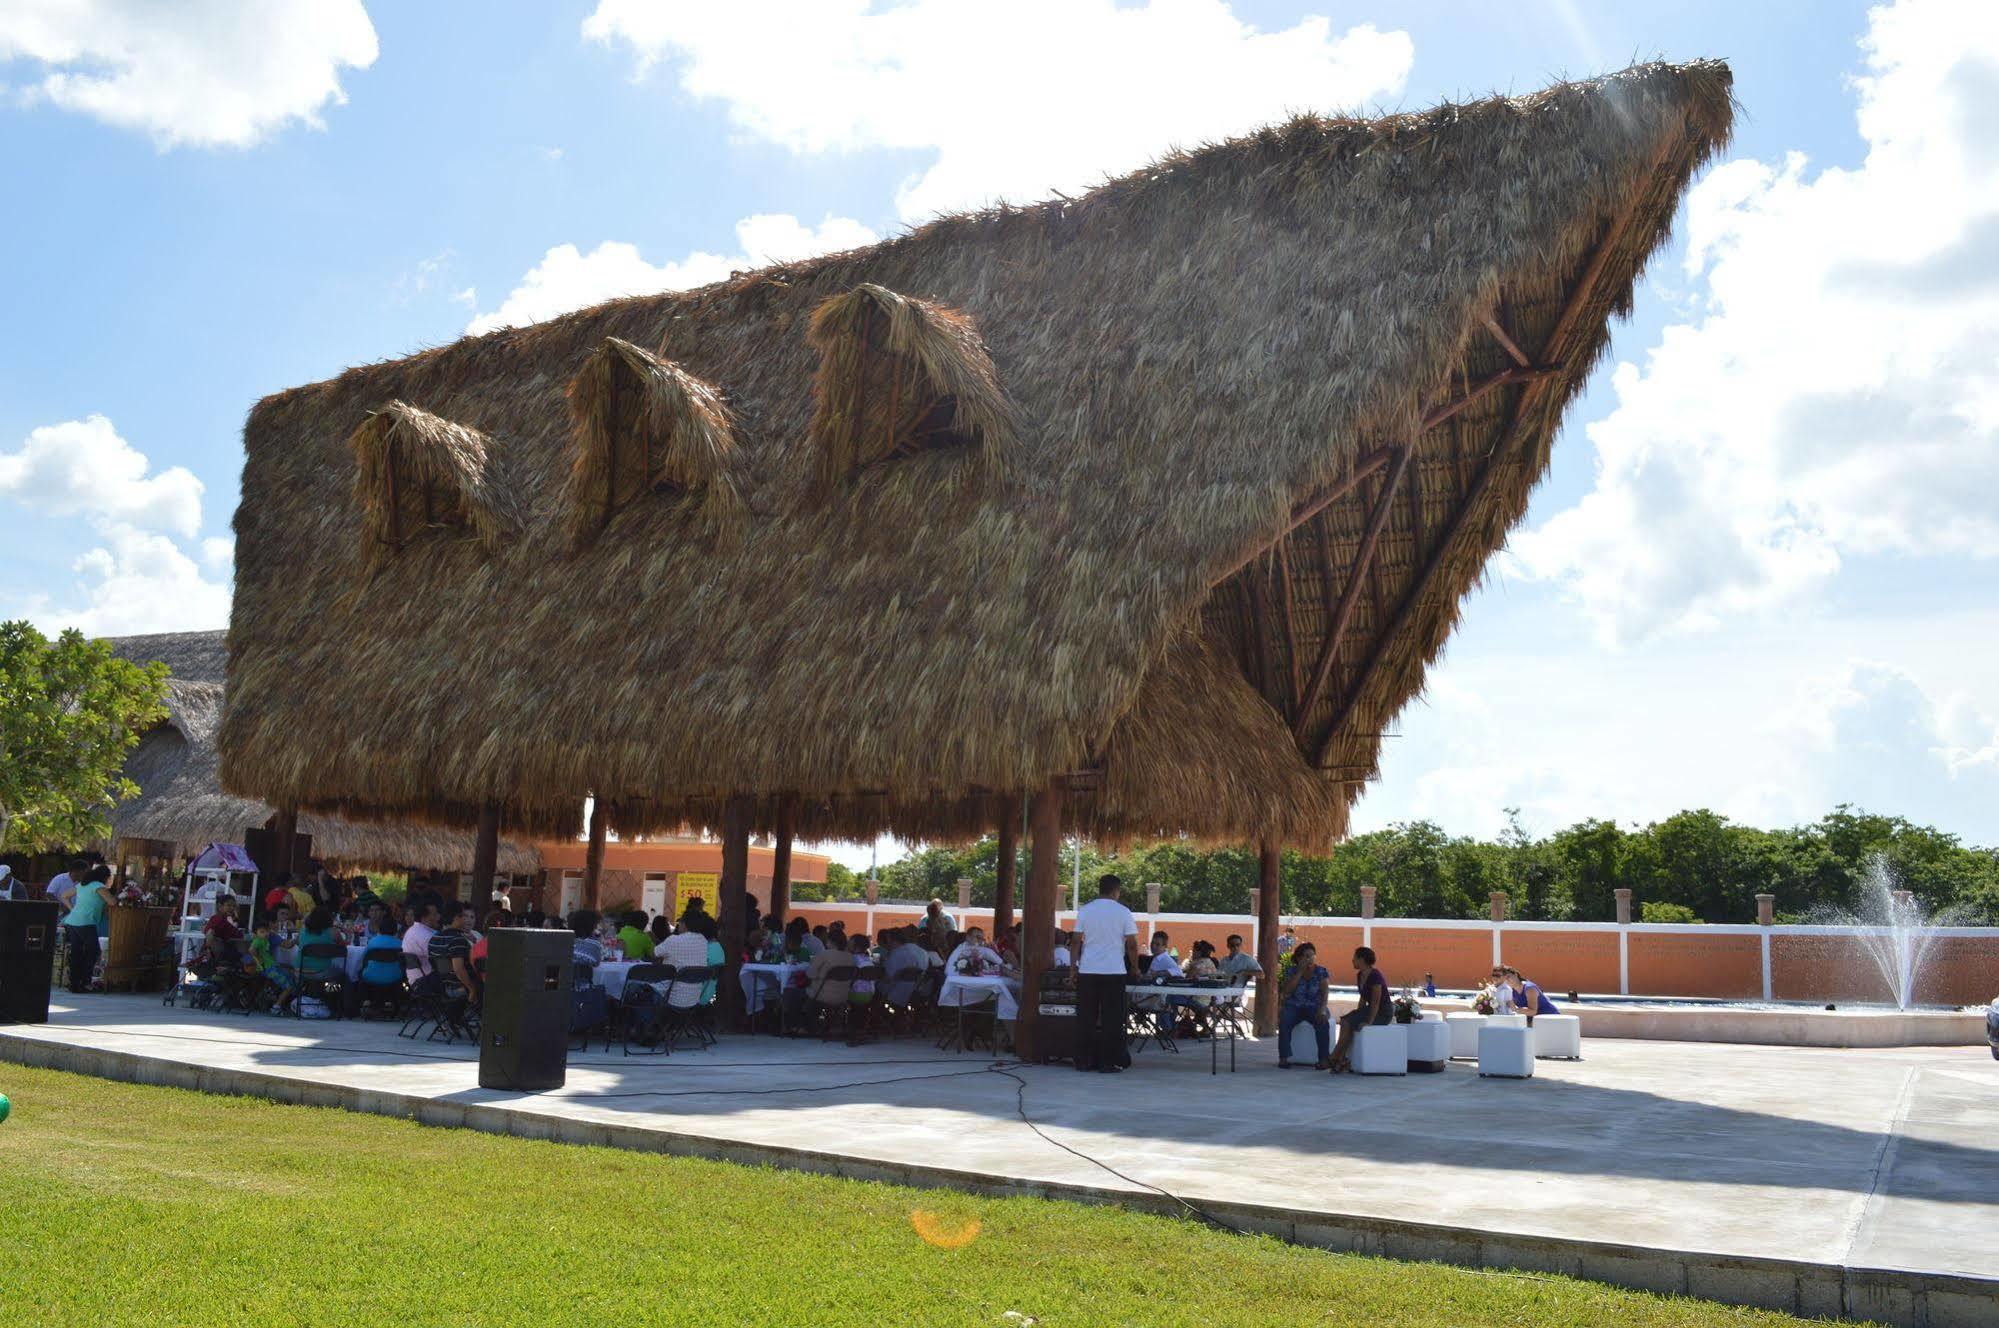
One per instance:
(1381, 1049)
(1429, 1046)
(1464, 1026)
(1558, 1037)
(1506, 1050)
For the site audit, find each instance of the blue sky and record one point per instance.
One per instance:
(1759, 577)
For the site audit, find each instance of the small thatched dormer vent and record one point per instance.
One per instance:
(899, 376)
(417, 472)
(645, 424)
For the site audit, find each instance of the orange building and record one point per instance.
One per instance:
(656, 872)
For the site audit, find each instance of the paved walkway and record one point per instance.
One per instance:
(1635, 1165)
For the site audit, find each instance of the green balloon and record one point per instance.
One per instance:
(6, 1108)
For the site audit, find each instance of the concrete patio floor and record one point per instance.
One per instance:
(1823, 1181)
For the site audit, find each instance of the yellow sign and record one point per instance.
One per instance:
(697, 885)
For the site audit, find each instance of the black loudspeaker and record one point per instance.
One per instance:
(524, 1023)
(1055, 1030)
(28, 940)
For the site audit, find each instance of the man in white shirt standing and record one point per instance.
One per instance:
(1107, 950)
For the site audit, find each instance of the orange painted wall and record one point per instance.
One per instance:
(672, 856)
(1724, 965)
(1453, 956)
(1959, 970)
(1564, 960)
(1824, 968)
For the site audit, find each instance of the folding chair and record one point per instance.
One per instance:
(822, 1009)
(426, 995)
(1149, 1017)
(766, 996)
(697, 1018)
(901, 994)
(334, 980)
(641, 1008)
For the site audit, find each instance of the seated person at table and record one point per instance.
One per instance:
(220, 936)
(662, 928)
(821, 989)
(1163, 964)
(973, 948)
(795, 934)
(416, 940)
(319, 931)
(901, 954)
(813, 942)
(861, 995)
(283, 927)
(381, 973)
(1527, 997)
(1303, 993)
(1375, 1008)
(635, 938)
(451, 953)
(1062, 958)
(263, 960)
(1008, 944)
(1236, 962)
(709, 929)
(686, 948)
(585, 949)
(1203, 964)
(756, 946)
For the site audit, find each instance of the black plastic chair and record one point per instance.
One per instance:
(822, 1011)
(334, 980)
(641, 1008)
(698, 1019)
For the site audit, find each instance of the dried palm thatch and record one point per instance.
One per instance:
(1259, 438)
(181, 801)
(643, 423)
(898, 376)
(415, 472)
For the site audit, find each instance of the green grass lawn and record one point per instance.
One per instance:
(122, 1204)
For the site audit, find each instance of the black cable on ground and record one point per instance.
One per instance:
(1020, 1107)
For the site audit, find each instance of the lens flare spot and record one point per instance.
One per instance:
(943, 1230)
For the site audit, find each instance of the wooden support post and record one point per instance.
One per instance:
(485, 857)
(736, 814)
(1269, 886)
(1037, 932)
(284, 841)
(593, 856)
(1009, 862)
(779, 903)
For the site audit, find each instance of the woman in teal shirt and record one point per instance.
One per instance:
(81, 924)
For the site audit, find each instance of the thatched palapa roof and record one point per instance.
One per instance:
(1170, 491)
(181, 800)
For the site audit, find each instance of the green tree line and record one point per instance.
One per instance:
(1692, 866)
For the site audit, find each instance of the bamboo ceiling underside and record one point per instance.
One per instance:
(1273, 616)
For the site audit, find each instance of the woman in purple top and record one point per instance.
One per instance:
(1528, 998)
(1374, 1008)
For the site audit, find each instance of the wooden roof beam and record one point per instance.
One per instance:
(1370, 540)
(1492, 382)
(1367, 465)
(1506, 343)
(1554, 349)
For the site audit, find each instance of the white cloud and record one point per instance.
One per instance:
(1834, 392)
(198, 73)
(1770, 725)
(1014, 98)
(82, 467)
(136, 576)
(142, 582)
(567, 278)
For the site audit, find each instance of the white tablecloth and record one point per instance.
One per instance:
(1192, 995)
(288, 956)
(611, 974)
(961, 990)
(753, 989)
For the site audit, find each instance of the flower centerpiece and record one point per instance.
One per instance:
(1483, 1003)
(975, 966)
(1407, 1008)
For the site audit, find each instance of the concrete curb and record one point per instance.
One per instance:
(1884, 1295)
